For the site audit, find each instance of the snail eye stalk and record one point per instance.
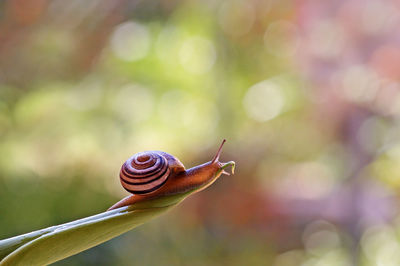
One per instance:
(216, 157)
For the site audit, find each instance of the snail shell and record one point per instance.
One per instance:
(144, 172)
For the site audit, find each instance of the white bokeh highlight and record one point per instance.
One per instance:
(264, 101)
(130, 41)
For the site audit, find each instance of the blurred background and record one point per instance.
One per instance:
(306, 92)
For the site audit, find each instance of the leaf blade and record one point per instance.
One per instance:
(69, 240)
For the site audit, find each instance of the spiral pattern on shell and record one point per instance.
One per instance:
(144, 172)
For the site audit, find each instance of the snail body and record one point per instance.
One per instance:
(155, 174)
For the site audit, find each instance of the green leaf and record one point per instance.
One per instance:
(49, 245)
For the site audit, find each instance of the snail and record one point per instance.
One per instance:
(155, 174)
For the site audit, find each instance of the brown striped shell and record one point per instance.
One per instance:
(144, 172)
